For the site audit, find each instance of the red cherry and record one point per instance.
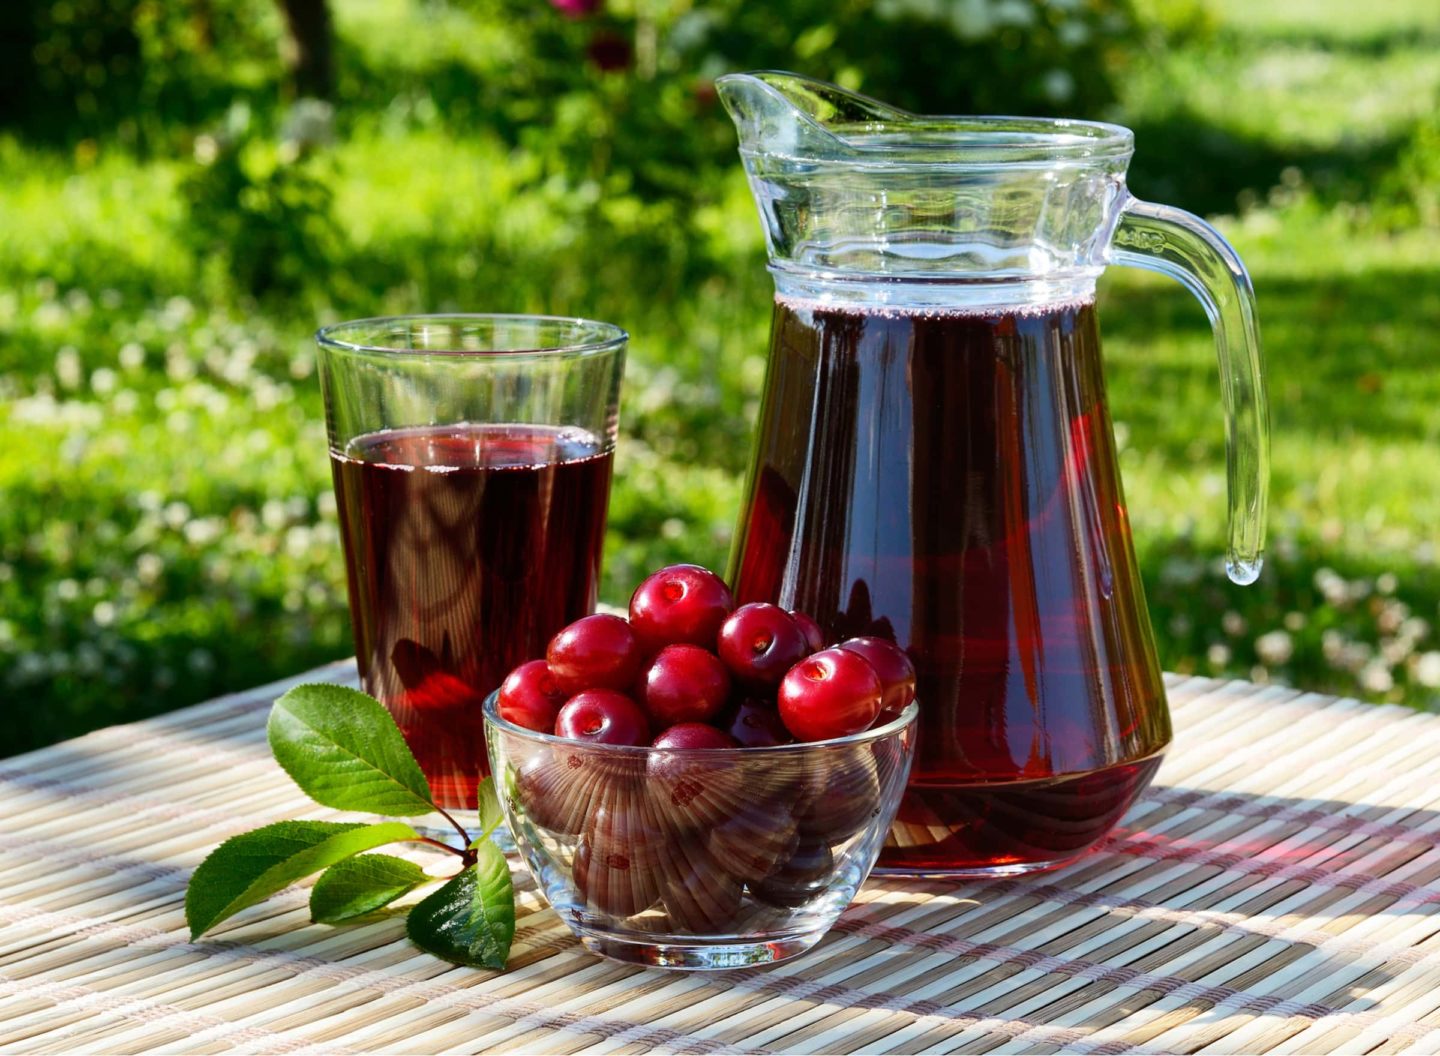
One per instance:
(897, 673)
(759, 643)
(684, 683)
(694, 736)
(615, 866)
(697, 894)
(680, 605)
(843, 799)
(530, 697)
(803, 877)
(814, 636)
(832, 693)
(602, 716)
(595, 652)
(692, 789)
(751, 842)
(555, 791)
(692, 793)
(755, 724)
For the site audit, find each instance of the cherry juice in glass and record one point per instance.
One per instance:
(472, 537)
(466, 547)
(948, 480)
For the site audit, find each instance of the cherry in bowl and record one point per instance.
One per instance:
(595, 652)
(832, 693)
(759, 643)
(680, 605)
(602, 716)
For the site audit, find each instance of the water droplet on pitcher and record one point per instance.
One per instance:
(1243, 572)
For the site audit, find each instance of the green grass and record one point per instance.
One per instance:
(166, 530)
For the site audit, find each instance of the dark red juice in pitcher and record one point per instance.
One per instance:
(949, 480)
(467, 547)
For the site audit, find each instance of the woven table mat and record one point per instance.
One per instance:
(1278, 890)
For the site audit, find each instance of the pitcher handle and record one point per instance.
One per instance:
(1183, 246)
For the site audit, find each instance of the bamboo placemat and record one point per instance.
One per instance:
(1276, 891)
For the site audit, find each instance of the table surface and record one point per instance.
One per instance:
(1278, 890)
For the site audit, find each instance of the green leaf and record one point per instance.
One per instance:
(491, 817)
(344, 750)
(362, 885)
(471, 920)
(254, 865)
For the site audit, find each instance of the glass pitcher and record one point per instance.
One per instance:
(934, 461)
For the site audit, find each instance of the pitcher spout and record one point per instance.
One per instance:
(784, 114)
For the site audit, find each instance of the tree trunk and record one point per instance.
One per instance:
(311, 57)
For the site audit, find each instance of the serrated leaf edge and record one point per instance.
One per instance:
(420, 879)
(399, 832)
(426, 802)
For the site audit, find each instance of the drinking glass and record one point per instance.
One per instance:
(471, 456)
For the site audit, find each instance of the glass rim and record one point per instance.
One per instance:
(905, 719)
(962, 139)
(594, 337)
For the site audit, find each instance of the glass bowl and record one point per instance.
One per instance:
(708, 858)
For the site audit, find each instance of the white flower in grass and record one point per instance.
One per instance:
(132, 356)
(297, 540)
(1386, 583)
(178, 310)
(1331, 585)
(103, 381)
(178, 365)
(1375, 677)
(1218, 655)
(1233, 624)
(1392, 616)
(1274, 648)
(1394, 651)
(69, 372)
(204, 530)
(1414, 628)
(148, 568)
(1426, 670)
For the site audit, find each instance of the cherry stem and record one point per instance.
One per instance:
(465, 836)
(443, 847)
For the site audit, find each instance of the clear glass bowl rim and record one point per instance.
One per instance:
(878, 733)
(593, 337)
